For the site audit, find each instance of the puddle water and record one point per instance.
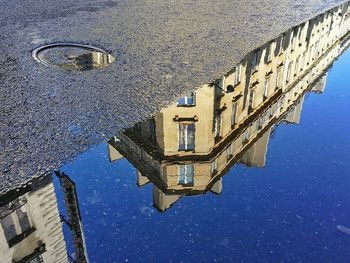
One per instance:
(253, 167)
(72, 56)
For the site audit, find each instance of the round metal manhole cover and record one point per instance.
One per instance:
(73, 56)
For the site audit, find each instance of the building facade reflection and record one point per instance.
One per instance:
(87, 61)
(187, 147)
(31, 229)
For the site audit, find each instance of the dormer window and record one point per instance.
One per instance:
(255, 61)
(219, 88)
(293, 40)
(268, 55)
(187, 101)
(237, 75)
(281, 48)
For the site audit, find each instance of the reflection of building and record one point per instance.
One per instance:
(86, 61)
(186, 148)
(31, 230)
(31, 225)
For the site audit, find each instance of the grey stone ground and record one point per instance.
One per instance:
(163, 49)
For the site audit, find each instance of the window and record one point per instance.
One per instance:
(186, 174)
(255, 61)
(296, 70)
(186, 136)
(187, 101)
(280, 103)
(269, 53)
(317, 46)
(9, 227)
(266, 88)
(281, 48)
(259, 123)
(330, 26)
(229, 152)
(278, 76)
(220, 83)
(12, 214)
(293, 39)
(301, 31)
(251, 100)
(234, 114)
(245, 137)
(23, 219)
(303, 60)
(289, 71)
(267, 114)
(274, 109)
(218, 125)
(219, 88)
(311, 54)
(214, 167)
(237, 75)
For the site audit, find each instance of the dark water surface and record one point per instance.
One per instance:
(286, 211)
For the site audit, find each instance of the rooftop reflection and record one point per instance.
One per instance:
(186, 148)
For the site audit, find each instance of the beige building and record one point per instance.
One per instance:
(31, 229)
(186, 148)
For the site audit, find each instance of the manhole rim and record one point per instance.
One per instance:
(36, 51)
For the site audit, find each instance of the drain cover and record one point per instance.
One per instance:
(72, 56)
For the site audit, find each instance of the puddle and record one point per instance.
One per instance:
(72, 56)
(242, 162)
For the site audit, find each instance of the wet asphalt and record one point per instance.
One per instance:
(163, 49)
